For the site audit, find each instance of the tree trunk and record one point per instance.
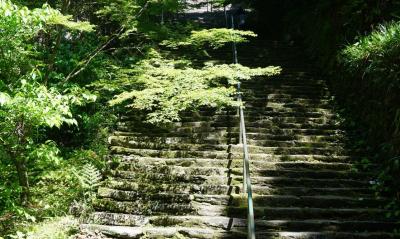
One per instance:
(23, 180)
(54, 50)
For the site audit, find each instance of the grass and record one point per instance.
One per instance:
(55, 228)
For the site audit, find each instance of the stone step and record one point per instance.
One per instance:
(252, 133)
(277, 109)
(216, 151)
(302, 104)
(224, 137)
(206, 209)
(249, 112)
(232, 189)
(183, 187)
(205, 233)
(272, 156)
(285, 105)
(152, 232)
(310, 92)
(253, 113)
(292, 90)
(283, 109)
(327, 235)
(256, 119)
(236, 200)
(228, 223)
(301, 123)
(238, 170)
(183, 177)
(295, 143)
(227, 138)
(237, 163)
(284, 81)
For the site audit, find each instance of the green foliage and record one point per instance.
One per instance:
(215, 37)
(53, 128)
(129, 14)
(34, 106)
(165, 88)
(57, 228)
(19, 26)
(27, 110)
(89, 179)
(56, 18)
(374, 54)
(372, 65)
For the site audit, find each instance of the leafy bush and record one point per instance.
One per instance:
(165, 88)
(215, 37)
(371, 74)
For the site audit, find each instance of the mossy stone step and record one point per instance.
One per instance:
(143, 207)
(260, 119)
(253, 139)
(182, 176)
(167, 153)
(206, 209)
(287, 88)
(285, 135)
(228, 223)
(260, 111)
(295, 91)
(305, 142)
(153, 232)
(283, 106)
(235, 131)
(204, 233)
(238, 170)
(275, 109)
(286, 82)
(127, 161)
(237, 200)
(301, 123)
(218, 151)
(185, 188)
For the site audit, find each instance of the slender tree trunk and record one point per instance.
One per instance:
(54, 50)
(20, 161)
(23, 180)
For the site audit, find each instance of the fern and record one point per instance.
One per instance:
(89, 178)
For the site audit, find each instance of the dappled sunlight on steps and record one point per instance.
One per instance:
(186, 181)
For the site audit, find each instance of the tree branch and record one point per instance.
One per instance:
(81, 67)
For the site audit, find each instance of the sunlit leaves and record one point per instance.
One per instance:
(34, 20)
(19, 28)
(167, 88)
(37, 106)
(215, 38)
(4, 98)
(370, 52)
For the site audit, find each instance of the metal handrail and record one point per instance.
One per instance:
(251, 231)
(246, 171)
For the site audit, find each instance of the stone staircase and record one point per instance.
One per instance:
(186, 181)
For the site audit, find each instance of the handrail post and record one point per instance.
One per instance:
(239, 103)
(234, 49)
